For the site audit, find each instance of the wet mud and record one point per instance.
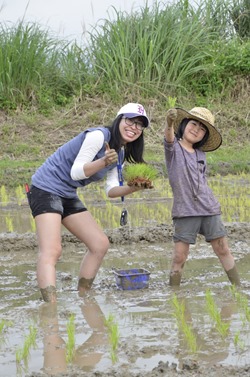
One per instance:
(152, 342)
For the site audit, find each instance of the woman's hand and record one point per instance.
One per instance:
(111, 155)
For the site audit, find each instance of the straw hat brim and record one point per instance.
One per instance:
(214, 140)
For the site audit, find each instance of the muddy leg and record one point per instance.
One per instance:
(49, 293)
(84, 285)
(221, 249)
(175, 278)
(180, 254)
(233, 276)
(96, 242)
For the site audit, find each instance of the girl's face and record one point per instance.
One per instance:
(131, 129)
(194, 131)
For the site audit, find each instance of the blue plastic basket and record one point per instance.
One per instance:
(135, 278)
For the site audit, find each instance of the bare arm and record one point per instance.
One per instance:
(115, 192)
(169, 129)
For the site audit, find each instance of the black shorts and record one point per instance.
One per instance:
(41, 201)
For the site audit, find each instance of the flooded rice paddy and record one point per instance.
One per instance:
(201, 328)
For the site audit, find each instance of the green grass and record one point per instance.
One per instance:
(14, 173)
(231, 159)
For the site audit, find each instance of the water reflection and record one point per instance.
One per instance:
(88, 354)
(54, 345)
(210, 345)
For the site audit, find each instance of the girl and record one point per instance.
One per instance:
(195, 209)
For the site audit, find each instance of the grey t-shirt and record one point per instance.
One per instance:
(187, 177)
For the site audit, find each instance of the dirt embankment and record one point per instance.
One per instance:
(120, 236)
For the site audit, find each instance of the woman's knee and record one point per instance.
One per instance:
(101, 246)
(50, 254)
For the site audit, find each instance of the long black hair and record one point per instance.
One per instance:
(134, 150)
(181, 129)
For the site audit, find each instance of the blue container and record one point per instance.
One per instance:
(135, 278)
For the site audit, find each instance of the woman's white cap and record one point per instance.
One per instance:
(132, 110)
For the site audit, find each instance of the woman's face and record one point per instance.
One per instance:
(131, 128)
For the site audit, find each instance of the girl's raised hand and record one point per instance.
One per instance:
(171, 116)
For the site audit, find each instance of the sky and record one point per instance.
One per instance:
(65, 18)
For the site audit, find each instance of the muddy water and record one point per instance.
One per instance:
(153, 341)
(148, 327)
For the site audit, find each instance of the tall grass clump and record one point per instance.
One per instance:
(152, 50)
(228, 23)
(171, 48)
(34, 67)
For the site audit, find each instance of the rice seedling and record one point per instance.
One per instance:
(20, 195)
(238, 342)
(141, 175)
(184, 327)
(3, 325)
(23, 353)
(4, 196)
(113, 334)
(231, 191)
(9, 224)
(71, 342)
(214, 313)
(171, 101)
(242, 301)
(32, 224)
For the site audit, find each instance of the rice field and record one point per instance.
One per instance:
(146, 207)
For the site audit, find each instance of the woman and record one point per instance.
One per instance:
(87, 158)
(188, 135)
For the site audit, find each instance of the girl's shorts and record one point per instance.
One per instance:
(41, 201)
(187, 228)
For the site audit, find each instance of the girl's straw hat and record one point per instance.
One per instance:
(204, 116)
